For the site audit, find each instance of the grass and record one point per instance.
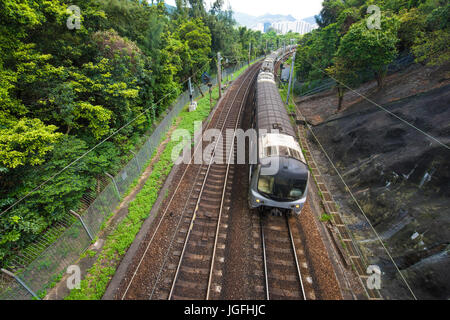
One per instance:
(53, 282)
(343, 244)
(288, 62)
(320, 194)
(325, 217)
(94, 285)
(283, 93)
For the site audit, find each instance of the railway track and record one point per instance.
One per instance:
(188, 262)
(206, 231)
(282, 252)
(180, 264)
(151, 275)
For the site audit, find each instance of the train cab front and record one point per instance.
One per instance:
(279, 185)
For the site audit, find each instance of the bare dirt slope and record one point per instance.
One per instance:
(400, 176)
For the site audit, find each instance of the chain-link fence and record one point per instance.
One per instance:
(313, 87)
(44, 262)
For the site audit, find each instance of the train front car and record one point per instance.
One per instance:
(279, 182)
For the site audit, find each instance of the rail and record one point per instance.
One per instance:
(283, 277)
(208, 183)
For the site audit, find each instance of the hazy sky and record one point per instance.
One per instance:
(297, 8)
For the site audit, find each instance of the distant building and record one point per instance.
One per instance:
(259, 27)
(284, 27)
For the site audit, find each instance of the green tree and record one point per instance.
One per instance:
(362, 48)
(316, 52)
(412, 24)
(26, 142)
(345, 78)
(432, 48)
(197, 37)
(330, 12)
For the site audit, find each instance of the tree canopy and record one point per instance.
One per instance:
(63, 90)
(348, 44)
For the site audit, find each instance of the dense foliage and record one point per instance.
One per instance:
(348, 45)
(65, 89)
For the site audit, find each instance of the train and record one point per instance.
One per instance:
(279, 180)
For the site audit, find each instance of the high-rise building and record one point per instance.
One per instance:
(299, 26)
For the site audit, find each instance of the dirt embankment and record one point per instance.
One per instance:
(399, 175)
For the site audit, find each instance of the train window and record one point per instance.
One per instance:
(282, 187)
(295, 154)
(265, 184)
(284, 151)
(271, 151)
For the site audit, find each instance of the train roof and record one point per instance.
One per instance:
(287, 167)
(271, 112)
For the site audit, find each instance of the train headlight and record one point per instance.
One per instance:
(258, 201)
(297, 206)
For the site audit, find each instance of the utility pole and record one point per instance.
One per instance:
(249, 52)
(210, 95)
(291, 76)
(227, 71)
(190, 91)
(219, 73)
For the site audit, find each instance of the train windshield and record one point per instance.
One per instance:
(283, 187)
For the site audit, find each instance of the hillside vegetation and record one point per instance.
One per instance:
(377, 135)
(67, 84)
(357, 41)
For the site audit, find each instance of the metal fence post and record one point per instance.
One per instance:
(115, 184)
(9, 273)
(137, 161)
(82, 222)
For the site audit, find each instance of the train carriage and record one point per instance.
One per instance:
(279, 182)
